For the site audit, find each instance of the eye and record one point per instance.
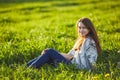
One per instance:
(84, 27)
(79, 27)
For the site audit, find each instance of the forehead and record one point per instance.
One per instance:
(80, 24)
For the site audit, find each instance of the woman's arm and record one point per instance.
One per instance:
(70, 54)
(91, 54)
(67, 56)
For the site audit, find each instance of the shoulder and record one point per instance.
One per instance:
(90, 46)
(89, 41)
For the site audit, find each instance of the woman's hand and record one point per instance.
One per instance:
(67, 56)
(43, 52)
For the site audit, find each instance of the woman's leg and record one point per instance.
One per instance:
(31, 61)
(50, 54)
(35, 59)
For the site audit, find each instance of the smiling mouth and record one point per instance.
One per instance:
(81, 33)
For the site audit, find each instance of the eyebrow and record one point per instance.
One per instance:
(81, 26)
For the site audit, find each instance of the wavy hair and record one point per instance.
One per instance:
(92, 34)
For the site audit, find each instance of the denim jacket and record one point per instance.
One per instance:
(86, 56)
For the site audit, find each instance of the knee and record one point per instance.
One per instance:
(49, 49)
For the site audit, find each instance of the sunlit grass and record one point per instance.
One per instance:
(26, 28)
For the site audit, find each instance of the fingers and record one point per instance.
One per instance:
(43, 52)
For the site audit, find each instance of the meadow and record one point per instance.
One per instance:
(29, 26)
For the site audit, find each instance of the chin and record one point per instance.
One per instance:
(82, 35)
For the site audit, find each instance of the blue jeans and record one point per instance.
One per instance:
(50, 56)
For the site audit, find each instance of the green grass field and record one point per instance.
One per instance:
(29, 26)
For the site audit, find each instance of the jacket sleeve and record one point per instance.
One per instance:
(91, 54)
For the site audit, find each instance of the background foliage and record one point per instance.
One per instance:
(29, 26)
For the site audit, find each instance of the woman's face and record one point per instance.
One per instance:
(83, 31)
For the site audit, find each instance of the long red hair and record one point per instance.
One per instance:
(92, 33)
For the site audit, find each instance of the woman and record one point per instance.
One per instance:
(83, 54)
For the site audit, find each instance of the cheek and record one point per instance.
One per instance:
(86, 31)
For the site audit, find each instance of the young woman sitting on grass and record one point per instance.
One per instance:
(83, 54)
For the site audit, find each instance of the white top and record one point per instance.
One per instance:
(86, 56)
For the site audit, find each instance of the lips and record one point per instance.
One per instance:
(81, 32)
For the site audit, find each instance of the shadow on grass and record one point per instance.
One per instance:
(24, 1)
(41, 8)
(109, 55)
(117, 30)
(66, 4)
(18, 58)
(28, 9)
(5, 20)
(105, 57)
(108, 59)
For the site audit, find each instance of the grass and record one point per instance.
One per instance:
(28, 27)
